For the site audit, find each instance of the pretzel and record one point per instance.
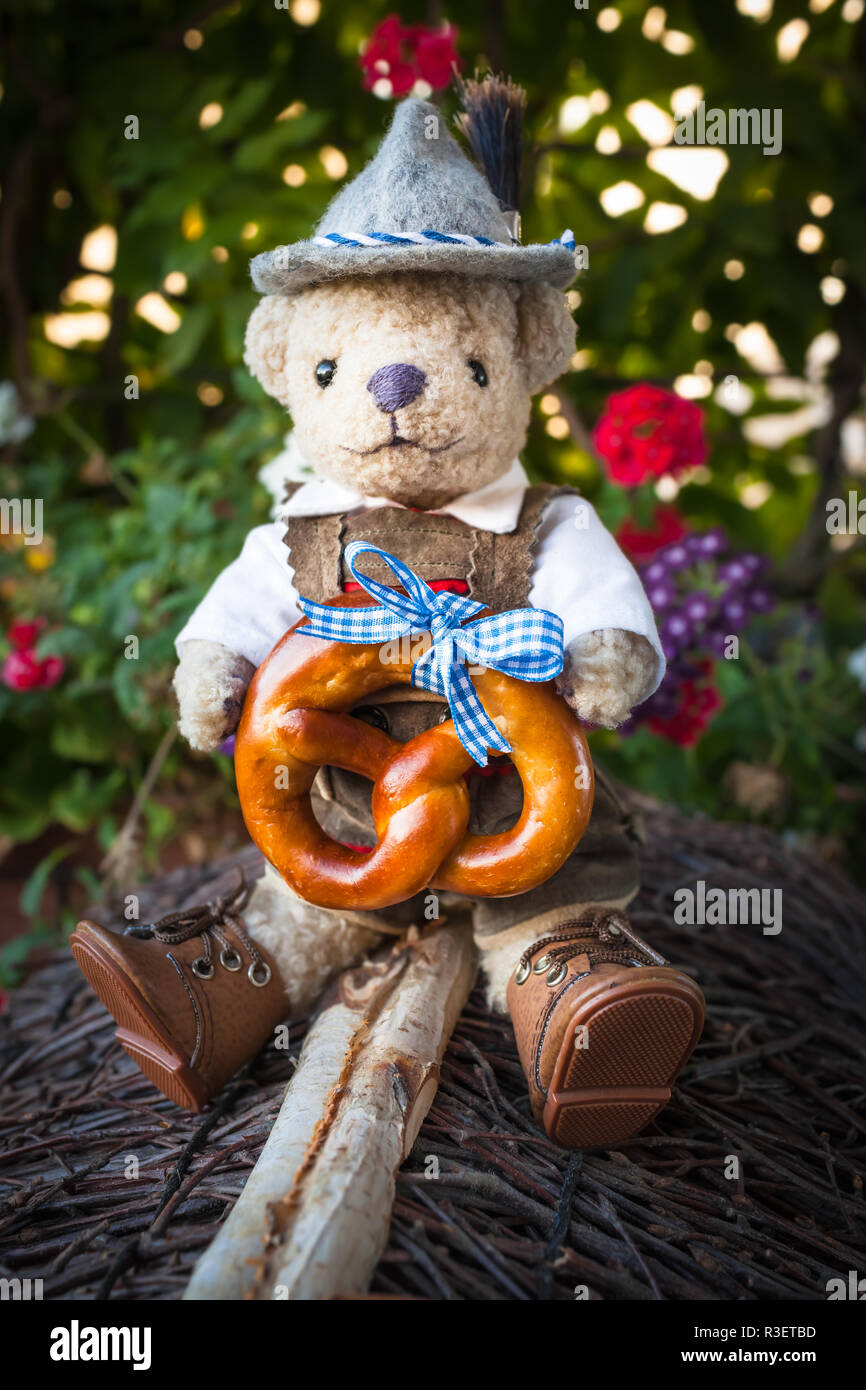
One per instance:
(295, 719)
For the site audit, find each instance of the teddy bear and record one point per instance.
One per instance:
(406, 339)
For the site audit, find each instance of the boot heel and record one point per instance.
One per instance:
(167, 1071)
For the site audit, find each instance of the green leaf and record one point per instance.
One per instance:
(30, 899)
(263, 151)
(185, 343)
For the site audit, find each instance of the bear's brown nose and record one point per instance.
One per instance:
(396, 385)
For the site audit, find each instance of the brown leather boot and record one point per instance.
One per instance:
(195, 998)
(603, 1026)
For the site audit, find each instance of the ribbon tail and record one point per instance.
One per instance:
(473, 726)
(430, 671)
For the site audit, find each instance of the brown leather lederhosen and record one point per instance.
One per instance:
(497, 569)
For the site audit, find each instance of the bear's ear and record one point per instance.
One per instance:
(266, 341)
(546, 333)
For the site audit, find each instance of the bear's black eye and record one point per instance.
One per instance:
(325, 372)
(479, 375)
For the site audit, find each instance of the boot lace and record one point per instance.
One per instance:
(209, 920)
(594, 935)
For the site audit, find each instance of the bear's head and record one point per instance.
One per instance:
(412, 387)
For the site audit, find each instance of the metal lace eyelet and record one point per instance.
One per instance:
(521, 974)
(259, 974)
(542, 964)
(202, 968)
(229, 959)
(556, 974)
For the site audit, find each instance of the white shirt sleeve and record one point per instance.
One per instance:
(253, 602)
(582, 575)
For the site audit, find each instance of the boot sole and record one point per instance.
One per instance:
(139, 1031)
(640, 1035)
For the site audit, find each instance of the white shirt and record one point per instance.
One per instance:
(579, 571)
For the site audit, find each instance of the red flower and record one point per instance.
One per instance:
(436, 54)
(403, 54)
(387, 55)
(23, 635)
(647, 431)
(640, 544)
(699, 700)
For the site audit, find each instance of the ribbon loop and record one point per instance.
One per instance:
(524, 642)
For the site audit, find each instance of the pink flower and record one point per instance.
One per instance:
(646, 431)
(52, 669)
(21, 671)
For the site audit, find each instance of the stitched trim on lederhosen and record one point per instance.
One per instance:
(497, 568)
(315, 545)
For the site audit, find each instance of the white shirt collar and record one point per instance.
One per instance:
(494, 507)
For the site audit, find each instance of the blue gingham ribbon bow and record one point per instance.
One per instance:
(525, 642)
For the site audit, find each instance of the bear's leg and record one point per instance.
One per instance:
(603, 1024)
(308, 945)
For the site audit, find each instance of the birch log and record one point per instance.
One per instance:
(313, 1218)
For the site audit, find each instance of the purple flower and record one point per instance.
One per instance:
(661, 594)
(733, 572)
(754, 563)
(734, 610)
(706, 544)
(655, 572)
(760, 600)
(675, 556)
(698, 606)
(675, 633)
(718, 643)
(227, 747)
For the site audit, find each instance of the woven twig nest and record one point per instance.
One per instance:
(749, 1185)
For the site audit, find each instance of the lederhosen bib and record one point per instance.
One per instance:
(492, 568)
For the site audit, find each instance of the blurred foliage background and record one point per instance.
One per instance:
(151, 149)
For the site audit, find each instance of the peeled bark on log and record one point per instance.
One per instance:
(366, 1078)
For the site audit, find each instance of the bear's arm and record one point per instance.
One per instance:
(613, 658)
(244, 613)
(210, 684)
(606, 673)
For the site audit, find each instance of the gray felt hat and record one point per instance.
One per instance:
(420, 204)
